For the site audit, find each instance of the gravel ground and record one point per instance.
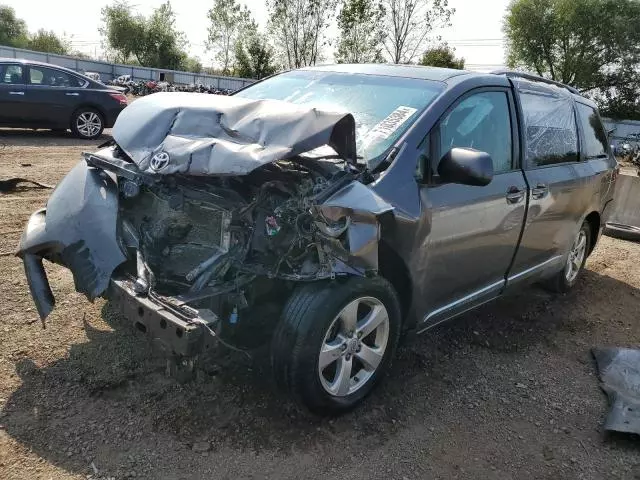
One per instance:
(508, 391)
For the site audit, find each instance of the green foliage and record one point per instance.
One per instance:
(442, 56)
(13, 31)
(298, 29)
(227, 22)
(48, 41)
(593, 45)
(361, 32)
(409, 24)
(254, 57)
(153, 41)
(192, 64)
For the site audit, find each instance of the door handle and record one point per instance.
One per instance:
(539, 191)
(514, 195)
(16, 93)
(72, 94)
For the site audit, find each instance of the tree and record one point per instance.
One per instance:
(298, 28)
(254, 57)
(409, 23)
(590, 44)
(442, 56)
(13, 31)
(152, 42)
(192, 64)
(227, 21)
(361, 32)
(48, 41)
(623, 101)
(164, 44)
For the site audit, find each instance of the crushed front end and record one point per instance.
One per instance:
(186, 256)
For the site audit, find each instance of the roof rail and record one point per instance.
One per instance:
(535, 78)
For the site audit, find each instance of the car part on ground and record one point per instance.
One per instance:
(13, 184)
(624, 222)
(619, 371)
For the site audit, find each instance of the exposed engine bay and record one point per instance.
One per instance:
(196, 232)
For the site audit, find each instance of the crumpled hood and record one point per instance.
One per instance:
(202, 134)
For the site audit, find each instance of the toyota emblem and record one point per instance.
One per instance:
(159, 161)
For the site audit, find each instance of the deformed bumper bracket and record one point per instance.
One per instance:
(169, 332)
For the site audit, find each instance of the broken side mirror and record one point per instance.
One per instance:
(466, 166)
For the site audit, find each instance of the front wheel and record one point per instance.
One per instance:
(335, 341)
(567, 278)
(87, 123)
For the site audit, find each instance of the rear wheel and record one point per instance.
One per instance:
(87, 123)
(567, 278)
(335, 341)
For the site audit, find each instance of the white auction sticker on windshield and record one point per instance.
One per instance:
(389, 125)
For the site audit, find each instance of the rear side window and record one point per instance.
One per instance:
(11, 74)
(53, 78)
(595, 137)
(550, 128)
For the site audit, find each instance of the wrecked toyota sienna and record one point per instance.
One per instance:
(327, 210)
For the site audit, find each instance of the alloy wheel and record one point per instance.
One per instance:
(576, 256)
(354, 346)
(88, 124)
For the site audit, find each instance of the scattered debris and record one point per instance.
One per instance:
(11, 184)
(619, 370)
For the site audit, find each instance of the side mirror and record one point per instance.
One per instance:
(466, 166)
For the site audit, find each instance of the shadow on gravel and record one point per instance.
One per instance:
(110, 396)
(28, 138)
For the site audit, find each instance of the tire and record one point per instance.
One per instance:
(566, 279)
(87, 123)
(314, 319)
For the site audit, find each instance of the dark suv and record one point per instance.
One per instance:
(375, 199)
(40, 95)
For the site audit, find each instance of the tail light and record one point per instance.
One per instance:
(120, 97)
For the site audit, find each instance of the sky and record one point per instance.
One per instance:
(476, 31)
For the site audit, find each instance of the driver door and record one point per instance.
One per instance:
(474, 231)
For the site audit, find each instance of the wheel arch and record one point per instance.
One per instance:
(593, 219)
(392, 267)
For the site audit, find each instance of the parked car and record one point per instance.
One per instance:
(40, 95)
(376, 199)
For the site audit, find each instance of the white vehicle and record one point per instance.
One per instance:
(93, 76)
(122, 79)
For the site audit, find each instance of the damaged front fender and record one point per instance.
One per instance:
(363, 207)
(78, 229)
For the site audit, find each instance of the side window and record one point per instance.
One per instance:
(550, 128)
(11, 74)
(595, 137)
(481, 121)
(52, 77)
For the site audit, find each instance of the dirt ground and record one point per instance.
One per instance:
(507, 392)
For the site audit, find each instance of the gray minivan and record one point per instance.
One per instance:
(325, 210)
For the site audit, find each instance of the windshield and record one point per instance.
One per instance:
(383, 107)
